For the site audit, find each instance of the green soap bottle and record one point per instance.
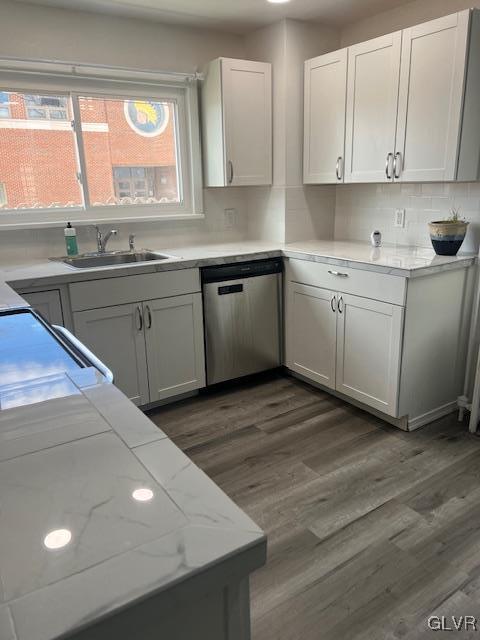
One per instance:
(71, 240)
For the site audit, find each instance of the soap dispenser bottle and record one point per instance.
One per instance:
(71, 240)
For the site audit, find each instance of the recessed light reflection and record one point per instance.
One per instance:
(57, 538)
(142, 495)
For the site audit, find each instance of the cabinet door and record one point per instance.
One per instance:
(247, 99)
(115, 335)
(369, 337)
(47, 303)
(430, 99)
(325, 103)
(311, 332)
(372, 98)
(175, 349)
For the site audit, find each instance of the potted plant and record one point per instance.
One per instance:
(448, 235)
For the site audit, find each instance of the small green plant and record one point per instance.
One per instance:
(455, 215)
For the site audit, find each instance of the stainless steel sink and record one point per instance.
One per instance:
(90, 260)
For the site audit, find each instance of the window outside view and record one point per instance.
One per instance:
(129, 149)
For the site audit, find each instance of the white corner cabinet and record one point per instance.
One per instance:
(148, 331)
(236, 107)
(408, 104)
(391, 344)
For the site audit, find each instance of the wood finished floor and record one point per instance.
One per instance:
(370, 529)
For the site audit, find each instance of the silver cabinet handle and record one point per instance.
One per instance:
(337, 168)
(230, 172)
(86, 353)
(338, 273)
(397, 162)
(149, 317)
(340, 305)
(387, 166)
(333, 303)
(138, 313)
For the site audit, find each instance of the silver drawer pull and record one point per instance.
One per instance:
(338, 273)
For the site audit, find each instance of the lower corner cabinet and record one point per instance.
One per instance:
(347, 343)
(399, 355)
(154, 347)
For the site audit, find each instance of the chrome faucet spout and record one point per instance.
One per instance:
(103, 238)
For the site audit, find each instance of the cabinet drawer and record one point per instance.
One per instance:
(94, 294)
(367, 284)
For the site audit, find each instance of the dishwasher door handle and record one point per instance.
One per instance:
(231, 288)
(86, 353)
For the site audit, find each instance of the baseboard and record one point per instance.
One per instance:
(431, 416)
(400, 423)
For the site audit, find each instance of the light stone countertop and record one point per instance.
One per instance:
(74, 462)
(403, 261)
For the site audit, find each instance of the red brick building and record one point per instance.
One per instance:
(129, 148)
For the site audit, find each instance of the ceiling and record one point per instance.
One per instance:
(238, 16)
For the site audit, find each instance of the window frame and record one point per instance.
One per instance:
(183, 93)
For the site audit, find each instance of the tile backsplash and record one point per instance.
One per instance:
(364, 207)
(22, 245)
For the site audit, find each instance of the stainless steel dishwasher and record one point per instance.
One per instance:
(242, 308)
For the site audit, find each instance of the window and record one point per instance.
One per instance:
(148, 184)
(118, 150)
(4, 105)
(46, 107)
(38, 164)
(140, 134)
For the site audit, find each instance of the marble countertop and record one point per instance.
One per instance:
(85, 468)
(403, 261)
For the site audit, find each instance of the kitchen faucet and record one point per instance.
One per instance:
(103, 238)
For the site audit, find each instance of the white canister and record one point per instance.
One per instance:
(376, 238)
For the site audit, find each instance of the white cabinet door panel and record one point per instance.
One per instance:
(372, 98)
(47, 303)
(369, 338)
(175, 349)
(311, 333)
(430, 98)
(325, 103)
(247, 95)
(115, 335)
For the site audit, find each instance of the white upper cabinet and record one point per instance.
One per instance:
(412, 108)
(430, 99)
(237, 123)
(372, 98)
(325, 96)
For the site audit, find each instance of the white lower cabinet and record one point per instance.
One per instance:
(311, 332)
(175, 349)
(369, 340)
(347, 343)
(154, 348)
(115, 335)
(395, 345)
(47, 303)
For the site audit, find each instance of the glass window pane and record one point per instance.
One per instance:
(134, 135)
(4, 112)
(49, 107)
(38, 161)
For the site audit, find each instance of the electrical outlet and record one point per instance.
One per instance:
(230, 218)
(399, 218)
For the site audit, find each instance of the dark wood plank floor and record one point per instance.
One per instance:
(370, 529)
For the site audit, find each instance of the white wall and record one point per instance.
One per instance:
(362, 208)
(31, 31)
(289, 211)
(402, 17)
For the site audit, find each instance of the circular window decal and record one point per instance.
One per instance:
(145, 117)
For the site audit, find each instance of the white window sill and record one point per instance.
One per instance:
(87, 219)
